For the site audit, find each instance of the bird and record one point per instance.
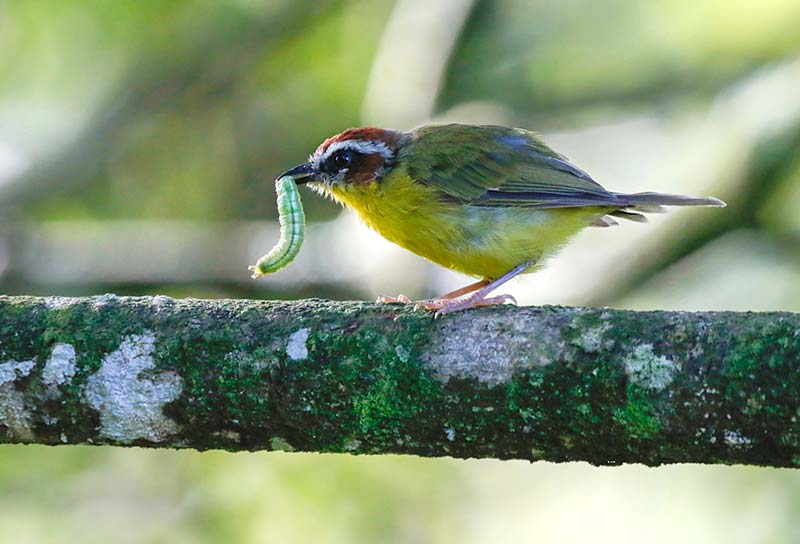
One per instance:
(488, 201)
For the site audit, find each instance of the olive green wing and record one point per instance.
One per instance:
(498, 166)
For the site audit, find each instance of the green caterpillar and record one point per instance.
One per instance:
(293, 225)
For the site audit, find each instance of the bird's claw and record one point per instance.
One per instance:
(431, 304)
(399, 299)
(473, 302)
(444, 306)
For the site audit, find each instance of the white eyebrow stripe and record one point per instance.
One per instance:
(367, 147)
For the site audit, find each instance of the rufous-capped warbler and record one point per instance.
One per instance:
(489, 201)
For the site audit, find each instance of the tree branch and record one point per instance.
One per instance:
(558, 384)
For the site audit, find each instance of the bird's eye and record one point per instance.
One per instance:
(342, 159)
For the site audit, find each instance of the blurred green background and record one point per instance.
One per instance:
(138, 142)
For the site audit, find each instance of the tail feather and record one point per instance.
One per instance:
(646, 208)
(638, 204)
(629, 215)
(664, 199)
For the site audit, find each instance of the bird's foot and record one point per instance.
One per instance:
(443, 306)
(433, 303)
(399, 299)
(449, 306)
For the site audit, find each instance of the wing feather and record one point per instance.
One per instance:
(499, 166)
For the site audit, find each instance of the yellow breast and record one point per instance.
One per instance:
(480, 241)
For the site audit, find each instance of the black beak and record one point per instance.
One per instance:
(301, 174)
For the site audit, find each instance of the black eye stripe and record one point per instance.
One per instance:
(342, 159)
(338, 161)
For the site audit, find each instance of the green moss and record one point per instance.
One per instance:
(379, 389)
(363, 381)
(759, 386)
(638, 416)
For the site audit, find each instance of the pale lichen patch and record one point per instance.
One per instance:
(163, 302)
(296, 348)
(593, 339)
(491, 350)
(648, 370)
(61, 366)
(54, 303)
(589, 335)
(102, 300)
(402, 353)
(14, 414)
(278, 443)
(352, 444)
(229, 435)
(735, 439)
(131, 402)
(13, 370)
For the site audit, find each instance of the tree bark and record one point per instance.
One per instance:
(558, 384)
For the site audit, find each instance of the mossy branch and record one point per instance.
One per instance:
(559, 384)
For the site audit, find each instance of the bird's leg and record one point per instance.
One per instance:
(445, 299)
(480, 297)
(467, 289)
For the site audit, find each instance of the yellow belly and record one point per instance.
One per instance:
(480, 241)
